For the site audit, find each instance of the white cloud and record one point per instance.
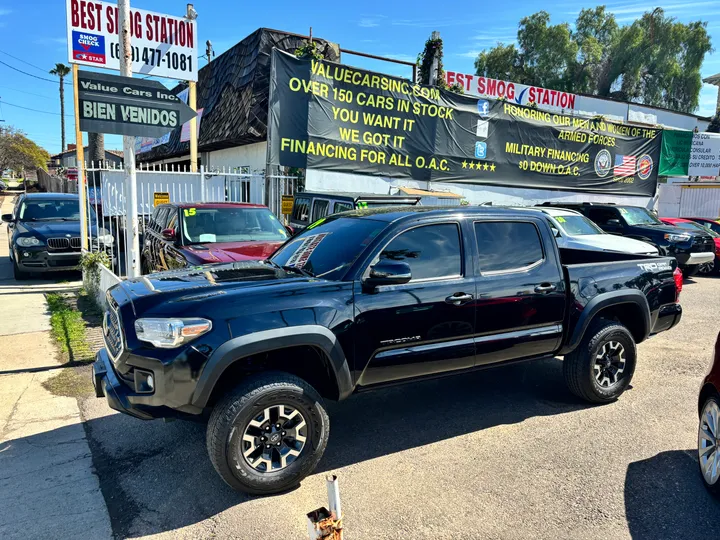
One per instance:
(708, 100)
(469, 54)
(48, 41)
(403, 57)
(495, 37)
(368, 23)
(5, 12)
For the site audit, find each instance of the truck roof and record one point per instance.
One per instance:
(550, 211)
(396, 213)
(214, 205)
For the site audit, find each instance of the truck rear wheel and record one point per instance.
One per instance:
(268, 434)
(602, 366)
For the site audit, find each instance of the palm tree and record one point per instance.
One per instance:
(61, 70)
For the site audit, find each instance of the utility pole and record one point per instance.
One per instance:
(132, 244)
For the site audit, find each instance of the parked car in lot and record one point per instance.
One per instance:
(364, 299)
(693, 226)
(708, 428)
(3, 186)
(44, 233)
(689, 248)
(310, 206)
(189, 234)
(712, 224)
(573, 230)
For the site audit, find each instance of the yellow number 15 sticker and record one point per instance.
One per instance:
(189, 212)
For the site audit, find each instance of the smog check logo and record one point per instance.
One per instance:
(603, 163)
(644, 167)
(88, 47)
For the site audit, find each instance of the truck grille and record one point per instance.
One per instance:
(63, 243)
(703, 243)
(112, 331)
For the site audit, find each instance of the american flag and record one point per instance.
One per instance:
(624, 165)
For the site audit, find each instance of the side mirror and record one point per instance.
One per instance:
(169, 234)
(556, 233)
(614, 223)
(290, 230)
(387, 272)
(7, 218)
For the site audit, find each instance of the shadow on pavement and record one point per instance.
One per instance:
(156, 476)
(665, 498)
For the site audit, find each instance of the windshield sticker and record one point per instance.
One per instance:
(207, 237)
(560, 219)
(190, 212)
(302, 254)
(361, 205)
(623, 211)
(318, 222)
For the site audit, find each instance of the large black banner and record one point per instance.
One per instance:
(334, 117)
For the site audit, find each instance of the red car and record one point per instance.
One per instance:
(712, 224)
(695, 226)
(189, 234)
(708, 429)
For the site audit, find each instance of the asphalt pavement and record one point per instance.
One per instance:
(503, 453)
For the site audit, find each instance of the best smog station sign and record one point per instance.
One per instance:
(333, 117)
(162, 45)
(126, 106)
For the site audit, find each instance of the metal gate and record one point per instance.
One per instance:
(700, 201)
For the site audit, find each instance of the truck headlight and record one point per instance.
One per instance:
(29, 241)
(675, 238)
(169, 333)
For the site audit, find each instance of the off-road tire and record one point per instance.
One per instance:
(578, 365)
(246, 401)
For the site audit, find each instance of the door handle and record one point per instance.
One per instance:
(545, 288)
(458, 299)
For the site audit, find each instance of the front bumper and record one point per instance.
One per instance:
(702, 257)
(40, 260)
(120, 396)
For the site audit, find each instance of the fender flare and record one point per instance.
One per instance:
(603, 301)
(270, 340)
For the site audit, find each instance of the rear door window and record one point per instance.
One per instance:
(301, 209)
(507, 246)
(320, 209)
(601, 216)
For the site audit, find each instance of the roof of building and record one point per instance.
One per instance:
(117, 153)
(233, 91)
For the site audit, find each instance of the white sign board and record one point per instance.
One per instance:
(705, 155)
(162, 45)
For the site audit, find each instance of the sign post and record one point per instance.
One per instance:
(132, 243)
(80, 162)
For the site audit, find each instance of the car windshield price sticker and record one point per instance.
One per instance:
(162, 45)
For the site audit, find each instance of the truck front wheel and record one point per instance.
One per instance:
(602, 366)
(268, 434)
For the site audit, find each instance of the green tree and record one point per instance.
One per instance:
(61, 70)
(655, 60)
(17, 152)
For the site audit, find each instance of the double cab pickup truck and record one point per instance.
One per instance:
(364, 299)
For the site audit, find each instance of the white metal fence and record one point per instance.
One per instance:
(106, 197)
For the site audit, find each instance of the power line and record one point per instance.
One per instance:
(34, 110)
(24, 61)
(26, 92)
(28, 74)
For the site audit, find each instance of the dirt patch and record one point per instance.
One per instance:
(71, 382)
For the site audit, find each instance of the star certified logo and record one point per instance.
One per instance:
(603, 163)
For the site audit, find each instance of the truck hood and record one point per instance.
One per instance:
(232, 251)
(205, 281)
(669, 229)
(611, 243)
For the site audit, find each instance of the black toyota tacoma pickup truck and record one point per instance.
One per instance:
(362, 299)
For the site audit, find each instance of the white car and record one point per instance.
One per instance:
(573, 230)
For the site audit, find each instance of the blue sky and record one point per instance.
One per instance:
(34, 32)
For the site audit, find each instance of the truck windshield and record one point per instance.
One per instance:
(634, 215)
(577, 225)
(697, 228)
(231, 224)
(328, 248)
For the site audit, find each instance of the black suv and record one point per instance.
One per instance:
(689, 248)
(44, 233)
(364, 299)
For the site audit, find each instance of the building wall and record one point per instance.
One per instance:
(250, 155)
(475, 194)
